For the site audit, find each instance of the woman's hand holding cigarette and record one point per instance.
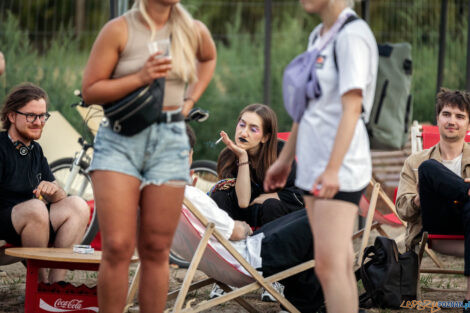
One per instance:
(241, 154)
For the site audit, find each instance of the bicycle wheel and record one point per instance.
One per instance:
(81, 186)
(206, 173)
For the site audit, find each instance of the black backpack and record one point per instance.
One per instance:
(389, 278)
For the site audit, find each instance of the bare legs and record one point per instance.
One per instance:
(69, 218)
(31, 221)
(332, 223)
(117, 197)
(161, 207)
(117, 200)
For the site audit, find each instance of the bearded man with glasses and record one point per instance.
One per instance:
(34, 210)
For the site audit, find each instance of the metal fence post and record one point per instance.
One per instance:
(467, 85)
(123, 6)
(365, 10)
(113, 7)
(117, 8)
(442, 45)
(267, 51)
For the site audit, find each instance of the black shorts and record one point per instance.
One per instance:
(353, 197)
(8, 232)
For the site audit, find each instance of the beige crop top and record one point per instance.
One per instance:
(136, 53)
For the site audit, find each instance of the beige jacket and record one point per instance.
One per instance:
(407, 189)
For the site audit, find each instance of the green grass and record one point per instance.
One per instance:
(58, 70)
(425, 281)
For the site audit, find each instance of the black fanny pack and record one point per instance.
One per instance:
(138, 110)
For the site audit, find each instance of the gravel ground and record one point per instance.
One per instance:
(12, 288)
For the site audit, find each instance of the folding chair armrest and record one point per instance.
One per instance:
(422, 246)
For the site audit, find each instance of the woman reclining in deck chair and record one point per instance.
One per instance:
(274, 247)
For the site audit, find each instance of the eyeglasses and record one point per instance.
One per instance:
(31, 117)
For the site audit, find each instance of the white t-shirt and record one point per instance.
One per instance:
(249, 248)
(454, 165)
(357, 60)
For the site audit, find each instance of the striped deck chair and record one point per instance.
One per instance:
(196, 240)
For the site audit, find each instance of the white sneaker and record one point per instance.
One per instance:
(216, 292)
(267, 297)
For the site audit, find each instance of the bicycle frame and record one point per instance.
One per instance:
(79, 160)
(73, 174)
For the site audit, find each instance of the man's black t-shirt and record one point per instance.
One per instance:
(20, 175)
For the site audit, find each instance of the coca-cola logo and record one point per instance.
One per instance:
(66, 306)
(73, 304)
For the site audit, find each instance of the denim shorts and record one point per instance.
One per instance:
(156, 155)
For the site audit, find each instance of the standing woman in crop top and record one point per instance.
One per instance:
(150, 169)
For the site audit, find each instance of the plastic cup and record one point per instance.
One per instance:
(162, 45)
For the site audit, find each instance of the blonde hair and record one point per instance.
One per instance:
(184, 39)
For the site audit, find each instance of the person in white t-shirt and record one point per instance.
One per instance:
(434, 191)
(332, 146)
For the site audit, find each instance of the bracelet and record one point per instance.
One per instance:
(189, 98)
(243, 163)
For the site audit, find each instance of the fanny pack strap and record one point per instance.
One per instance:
(313, 86)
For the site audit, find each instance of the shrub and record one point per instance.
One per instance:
(58, 70)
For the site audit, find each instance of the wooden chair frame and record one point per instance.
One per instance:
(187, 285)
(370, 225)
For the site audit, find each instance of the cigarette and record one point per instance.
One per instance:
(218, 140)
